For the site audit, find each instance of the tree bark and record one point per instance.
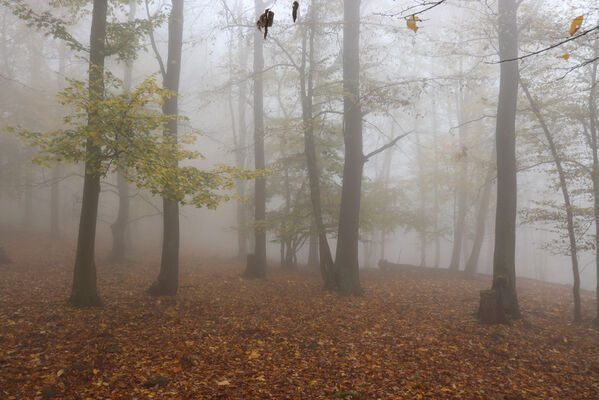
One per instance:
(168, 280)
(595, 171)
(240, 161)
(481, 217)
(504, 263)
(313, 256)
(4, 258)
(306, 92)
(461, 195)
(257, 268)
(121, 224)
(567, 203)
(55, 203)
(84, 291)
(346, 259)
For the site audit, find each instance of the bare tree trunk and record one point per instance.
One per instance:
(557, 160)
(121, 224)
(346, 260)
(239, 129)
(313, 257)
(240, 161)
(595, 171)
(168, 279)
(55, 203)
(422, 201)
(461, 158)
(504, 263)
(306, 89)
(84, 291)
(4, 258)
(481, 217)
(57, 171)
(28, 197)
(256, 266)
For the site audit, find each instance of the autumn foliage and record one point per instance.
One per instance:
(413, 335)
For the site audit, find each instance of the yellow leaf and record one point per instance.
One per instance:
(253, 355)
(565, 56)
(576, 24)
(60, 372)
(95, 371)
(261, 378)
(224, 382)
(411, 22)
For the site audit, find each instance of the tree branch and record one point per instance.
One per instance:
(383, 148)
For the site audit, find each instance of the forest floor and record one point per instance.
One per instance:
(413, 335)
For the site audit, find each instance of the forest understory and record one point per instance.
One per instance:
(413, 335)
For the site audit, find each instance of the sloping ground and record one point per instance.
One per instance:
(413, 335)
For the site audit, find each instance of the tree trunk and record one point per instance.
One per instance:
(595, 171)
(567, 204)
(257, 268)
(313, 257)
(28, 198)
(58, 170)
(121, 224)
(240, 141)
(504, 263)
(55, 203)
(346, 259)
(119, 227)
(4, 258)
(168, 280)
(461, 195)
(84, 291)
(481, 217)
(306, 92)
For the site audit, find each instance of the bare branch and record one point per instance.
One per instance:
(383, 148)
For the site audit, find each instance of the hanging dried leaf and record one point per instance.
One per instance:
(411, 22)
(576, 24)
(294, 12)
(265, 21)
(565, 56)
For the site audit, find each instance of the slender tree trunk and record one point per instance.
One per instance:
(436, 205)
(422, 201)
(28, 197)
(240, 161)
(168, 279)
(481, 217)
(460, 222)
(557, 160)
(256, 266)
(313, 257)
(55, 203)
(504, 263)
(58, 170)
(595, 171)
(4, 258)
(386, 175)
(306, 89)
(84, 291)
(346, 260)
(121, 224)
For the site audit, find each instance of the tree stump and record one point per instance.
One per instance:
(252, 270)
(490, 310)
(4, 259)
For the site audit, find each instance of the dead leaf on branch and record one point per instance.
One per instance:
(411, 22)
(576, 24)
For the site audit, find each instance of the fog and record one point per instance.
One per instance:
(243, 173)
(438, 85)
